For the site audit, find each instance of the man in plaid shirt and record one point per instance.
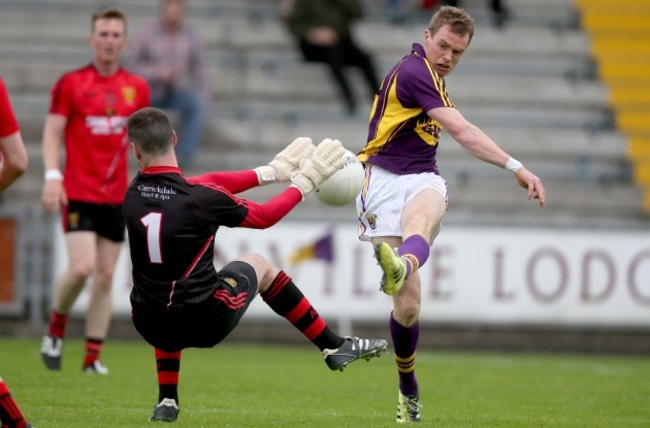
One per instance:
(168, 53)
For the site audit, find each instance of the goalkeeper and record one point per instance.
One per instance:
(178, 299)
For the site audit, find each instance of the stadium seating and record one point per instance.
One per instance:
(532, 86)
(620, 36)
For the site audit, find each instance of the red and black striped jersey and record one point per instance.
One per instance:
(172, 221)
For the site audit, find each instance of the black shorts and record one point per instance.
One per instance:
(205, 324)
(106, 220)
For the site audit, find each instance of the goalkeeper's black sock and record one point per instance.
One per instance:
(168, 365)
(286, 300)
(10, 415)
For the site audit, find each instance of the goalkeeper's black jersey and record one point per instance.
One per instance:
(171, 222)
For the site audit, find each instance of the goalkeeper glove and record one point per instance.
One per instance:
(285, 163)
(328, 157)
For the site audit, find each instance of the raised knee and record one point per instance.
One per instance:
(264, 269)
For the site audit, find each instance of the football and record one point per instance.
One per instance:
(345, 184)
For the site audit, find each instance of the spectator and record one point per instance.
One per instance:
(322, 29)
(169, 54)
(500, 13)
(88, 114)
(13, 156)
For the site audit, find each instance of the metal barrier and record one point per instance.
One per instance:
(28, 246)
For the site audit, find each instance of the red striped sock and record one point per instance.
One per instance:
(286, 300)
(168, 366)
(10, 414)
(58, 323)
(93, 348)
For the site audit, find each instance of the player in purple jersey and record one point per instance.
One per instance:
(179, 300)
(404, 198)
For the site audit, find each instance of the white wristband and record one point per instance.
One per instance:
(513, 165)
(265, 175)
(53, 174)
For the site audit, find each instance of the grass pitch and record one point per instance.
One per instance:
(236, 385)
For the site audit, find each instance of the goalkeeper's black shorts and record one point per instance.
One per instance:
(200, 325)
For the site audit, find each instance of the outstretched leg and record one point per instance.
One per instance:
(284, 297)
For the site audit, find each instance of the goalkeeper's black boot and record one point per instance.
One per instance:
(352, 349)
(167, 410)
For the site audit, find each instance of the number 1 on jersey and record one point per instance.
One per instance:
(152, 222)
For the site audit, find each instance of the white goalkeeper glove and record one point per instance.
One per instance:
(285, 163)
(328, 157)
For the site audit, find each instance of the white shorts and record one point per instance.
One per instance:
(384, 196)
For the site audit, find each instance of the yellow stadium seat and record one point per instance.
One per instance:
(620, 37)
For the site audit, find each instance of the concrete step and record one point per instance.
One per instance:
(483, 115)
(485, 198)
(524, 12)
(500, 200)
(36, 53)
(514, 82)
(453, 165)
(269, 35)
(303, 112)
(574, 150)
(269, 136)
(312, 83)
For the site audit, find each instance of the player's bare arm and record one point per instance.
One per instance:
(480, 145)
(13, 159)
(53, 191)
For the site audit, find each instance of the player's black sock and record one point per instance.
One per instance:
(168, 365)
(288, 301)
(10, 415)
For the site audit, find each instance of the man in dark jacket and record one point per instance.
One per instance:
(323, 31)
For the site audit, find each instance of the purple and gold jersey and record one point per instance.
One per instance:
(402, 138)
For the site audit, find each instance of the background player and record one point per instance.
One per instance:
(178, 299)
(404, 198)
(13, 162)
(88, 113)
